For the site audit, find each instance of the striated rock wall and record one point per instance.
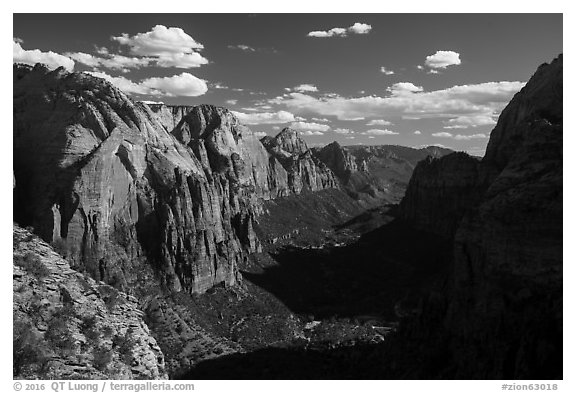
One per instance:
(502, 316)
(304, 170)
(98, 173)
(440, 192)
(68, 326)
(169, 115)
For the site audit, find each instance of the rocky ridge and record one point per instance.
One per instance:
(502, 314)
(68, 326)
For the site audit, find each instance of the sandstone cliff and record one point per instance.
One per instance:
(304, 170)
(99, 174)
(68, 326)
(169, 115)
(502, 316)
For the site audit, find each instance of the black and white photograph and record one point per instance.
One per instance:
(286, 196)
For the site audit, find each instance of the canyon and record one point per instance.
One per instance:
(231, 253)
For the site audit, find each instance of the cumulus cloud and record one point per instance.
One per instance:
(472, 102)
(379, 132)
(417, 132)
(386, 71)
(265, 117)
(51, 59)
(305, 87)
(231, 102)
(259, 134)
(443, 59)
(125, 84)
(114, 61)
(404, 87)
(183, 85)
(321, 120)
(302, 125)
(356, 28)
(378, 122)
(169, 46)
(470, 121)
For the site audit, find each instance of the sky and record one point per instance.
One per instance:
(402, 79)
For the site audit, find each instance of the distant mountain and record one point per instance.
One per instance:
(375, 174)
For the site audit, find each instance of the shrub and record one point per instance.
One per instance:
(89, 330)
(28, 348)
(32, 264)
(58, 333)
(102, 358)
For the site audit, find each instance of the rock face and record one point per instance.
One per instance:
(440, 192)
(375, 174)
(304, 170)
(99, 174)
(68, 326)
(169, 115)
(502, 317)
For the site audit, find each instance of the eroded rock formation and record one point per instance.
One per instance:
(502, 316)
(68, 326)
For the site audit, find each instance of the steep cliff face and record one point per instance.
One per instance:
(440, 192)
(68, 326)
(304, 170)
(503, 315)
(169, 115)
(99, 174)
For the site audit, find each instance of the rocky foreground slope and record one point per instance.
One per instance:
(68, 326)
(502, 316)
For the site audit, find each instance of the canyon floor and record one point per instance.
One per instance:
(307, 309)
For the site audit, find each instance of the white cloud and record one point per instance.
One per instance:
(312, 133)
(51, 59)
(301, 125)
(379, 132)
(350, 137)
(459, 136)
(343, 131)
(305, 87)
(183, 85)
(470, 121)
(276, 127)
(231, 102)
(468, 137)
(484, 100)
(148, 102)
(360, 28)
(404, 88)
(443, 59)
(125, 84)
(356, 28)
(259, 134)
(386, 71)
(378, 122)
(442, 135)
(114, 61)
(242, 47)
(170, 46)
(265, 117)
(321, 120)
(417, 132)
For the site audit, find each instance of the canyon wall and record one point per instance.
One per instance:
(502, 316)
